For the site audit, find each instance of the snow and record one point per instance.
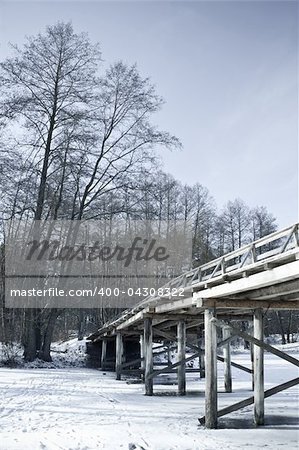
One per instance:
(86, 409)
(71, 353)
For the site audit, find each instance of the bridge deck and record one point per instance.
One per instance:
(262, 274)
(241, 285)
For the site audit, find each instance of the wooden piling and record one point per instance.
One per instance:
(252, 364)
(181, 336)
(258, 361)
(142, 355)
(211, 370)
(227, 361)
(201, 358)
(119, 355)
(148, 347)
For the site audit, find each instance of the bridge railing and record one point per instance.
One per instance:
(275, 245)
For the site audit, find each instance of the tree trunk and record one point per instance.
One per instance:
(290, 314)
(81, 327)
(244, 327)
(283, 339)
(45, 352)
(30, 335)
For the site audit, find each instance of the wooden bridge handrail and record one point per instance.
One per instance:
(246, 256)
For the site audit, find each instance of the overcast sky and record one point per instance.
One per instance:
(228, 74)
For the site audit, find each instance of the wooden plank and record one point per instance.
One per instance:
(162, 325)
(138, 317)
(288, 239)
(280, 274)
(173, 316)
(270, 292)
(172, 337)
(250, 400)
(194, 324)
(157, 347)
(247, 303)
(165, 350)
(134, 361)
(233, 364)
(237, 366)
(211, 370)
(258, 368)
(133, 372)
(181, 355)
(226, 341)
(155, 373)
(190, 370)
(148, 347)
(175, 304)
(255, 341)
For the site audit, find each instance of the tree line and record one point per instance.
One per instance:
(78, 141)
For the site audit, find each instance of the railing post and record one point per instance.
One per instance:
(258, 362)
(119, 355)
(181, 335)
(227, 361)
(148, 346)
(211, 370)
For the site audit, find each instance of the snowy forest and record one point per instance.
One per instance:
(149, 234)
(79, 141)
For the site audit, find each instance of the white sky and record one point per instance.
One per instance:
(228, 73)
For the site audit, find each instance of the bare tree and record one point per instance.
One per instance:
(236, 218)
(263, 222)
(204, 219)
(80, 136)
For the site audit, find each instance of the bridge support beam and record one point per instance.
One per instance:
(258, 368)
(169, 354)
(211, 369)
(119, 355)
(252, 364)
(104, 354)
(201, 358)
(181, 335)
(227, 361)
(142, 355)
(148, 347)
(202, 366)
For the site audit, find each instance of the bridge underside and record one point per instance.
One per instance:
(205, 318)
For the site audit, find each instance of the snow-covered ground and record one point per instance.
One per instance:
(85, 409)
(71, 353)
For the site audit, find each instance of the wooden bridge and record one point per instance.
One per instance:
(239, 286)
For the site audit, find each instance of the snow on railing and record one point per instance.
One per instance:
(273, 246)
